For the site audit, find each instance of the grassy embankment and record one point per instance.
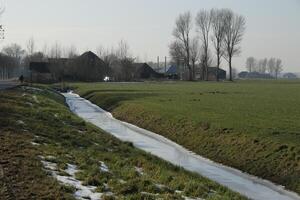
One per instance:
(250, 125)
(36, 126)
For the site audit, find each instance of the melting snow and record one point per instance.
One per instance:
(82, 192)
(20, 122)
(35, 144)
(188, 198)
(104, 167)
(35, 99)
(139, 170)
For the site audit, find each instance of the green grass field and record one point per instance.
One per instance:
(36, 127)
(250, 125)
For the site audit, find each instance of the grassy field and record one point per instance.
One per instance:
(250, 125)
(40, 136)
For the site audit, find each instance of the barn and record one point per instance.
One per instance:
(214, 71)
(144, 71)
(87, 67)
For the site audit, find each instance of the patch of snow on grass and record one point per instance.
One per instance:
(20, 122)
(82, 192)
(49, 165)
(149, 194)
(103, 167)
(188, 198)
(139, 170)
(35, 144)
(35, 99)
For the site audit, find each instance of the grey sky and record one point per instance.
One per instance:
(273, 26)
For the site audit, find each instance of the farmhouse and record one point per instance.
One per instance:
(87, 67)
(213, 72)
(144, 71)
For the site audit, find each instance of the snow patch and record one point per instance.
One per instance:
(20, 122)
(35, 144)
(35, 99)
(49, 165)
(188, 198)
(82, 192)
(103, 167)
(139, 170)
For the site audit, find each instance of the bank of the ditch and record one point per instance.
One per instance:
(269, 156)
(47, 152)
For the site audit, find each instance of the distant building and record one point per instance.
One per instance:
(254, 75)
(87, 67)
(290, 76)
(173, 72)
(144, 71)
(212, 74)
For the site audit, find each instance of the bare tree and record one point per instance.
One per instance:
(182, 32)
(56, 51)
(203, 23)
(123, 68)
(235, 26)
(250, 64)
(264, 64)
(278, 67)
(195, 54)
(13, 55)
(30, 45)
(100, 51)
(71, 52)
(123, 49)
(218, 33)
(176, 51)
(271, 66)
(14, 50)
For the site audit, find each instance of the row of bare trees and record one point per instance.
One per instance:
(273, 66)
(220, 28)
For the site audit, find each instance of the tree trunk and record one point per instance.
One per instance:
(194, 70)
(206, 72)
(218, 68)
(230, 69)
(190, 73)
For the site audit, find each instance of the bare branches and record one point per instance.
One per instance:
(203, 23)
(278, 67)
(250, 64)
(218, 33)
(235, 26)
(176, 51)
(183, 27)
(30, 45)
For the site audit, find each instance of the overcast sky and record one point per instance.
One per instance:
(273, 26)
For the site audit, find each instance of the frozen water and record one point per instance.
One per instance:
(247, 185)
